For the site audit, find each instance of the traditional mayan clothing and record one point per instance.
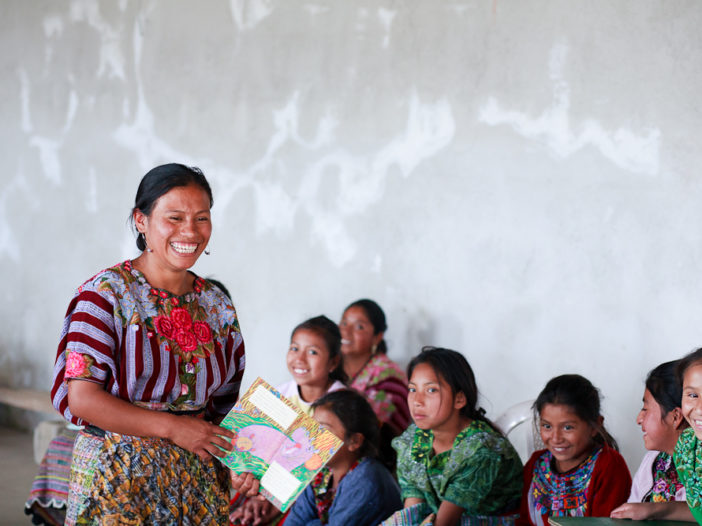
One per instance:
(657, 480)
(365, 496)
(384, 385)
(688, 460)
(481, 473)
(592, 489)
(182, 354)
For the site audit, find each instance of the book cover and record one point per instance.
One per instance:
(282, 446)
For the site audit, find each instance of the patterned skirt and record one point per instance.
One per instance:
(127, 480)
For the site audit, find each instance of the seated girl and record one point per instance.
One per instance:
(580, 473)
(453, 465)
(688, 451)
(656, 492)
(315, 363)
(353, 488)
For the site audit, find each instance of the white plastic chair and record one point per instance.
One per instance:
(517, 423)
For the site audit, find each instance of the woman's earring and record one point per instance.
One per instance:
(143, 238)
(374, 348)
(207, 252)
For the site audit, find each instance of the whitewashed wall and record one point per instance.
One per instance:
(514, 179)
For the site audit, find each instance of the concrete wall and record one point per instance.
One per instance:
(517, 180)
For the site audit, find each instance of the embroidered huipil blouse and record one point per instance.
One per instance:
(481, 473)
(688, 460)
(150, 347)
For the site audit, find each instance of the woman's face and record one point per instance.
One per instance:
(659, 434)
(357, 338)
(308, 359)
(178, 229)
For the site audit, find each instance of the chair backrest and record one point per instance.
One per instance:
(517, 423)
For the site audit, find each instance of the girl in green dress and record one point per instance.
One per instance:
(453, 465)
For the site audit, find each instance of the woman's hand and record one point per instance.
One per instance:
(89, 401)
(201, 437)
(245, 484)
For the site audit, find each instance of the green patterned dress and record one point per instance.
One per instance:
(481, 473)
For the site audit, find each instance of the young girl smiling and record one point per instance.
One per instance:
(656, 492)
(580, 473)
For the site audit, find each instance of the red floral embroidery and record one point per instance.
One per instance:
(164, 326)
(186, 340)
(184, 389)
(182, 318)
(77, 365)
(202, 331)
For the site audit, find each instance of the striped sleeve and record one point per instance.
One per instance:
(87, 346)
(224, 398)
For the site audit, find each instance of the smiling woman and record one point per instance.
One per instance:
(150, 359)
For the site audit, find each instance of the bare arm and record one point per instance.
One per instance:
(89, 401)
(449, 514)
(674, 511)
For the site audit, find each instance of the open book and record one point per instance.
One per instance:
(277, 442)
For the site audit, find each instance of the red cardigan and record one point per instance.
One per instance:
(609, 486)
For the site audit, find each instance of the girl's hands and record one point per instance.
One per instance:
(245, 484)
(200, 437)
(255, 512)
(631, 510)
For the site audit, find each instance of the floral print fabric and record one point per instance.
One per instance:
(666, 483)
(481, 473)
(688, 461)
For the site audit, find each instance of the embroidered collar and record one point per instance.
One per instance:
(324, 492)
(560, 494)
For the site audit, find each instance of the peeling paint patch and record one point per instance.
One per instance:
(53, 26)
(48, 156)
(386, 17)
(111, 61)
(25, 113)
(316, 9)
(636, 152)
(249, 13)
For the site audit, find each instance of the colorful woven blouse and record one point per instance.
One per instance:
(384, 384)
(666, 483)
(150, 347)
(560, 494)
(481, 473)
(688, 460)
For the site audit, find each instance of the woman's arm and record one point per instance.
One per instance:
(674, 511)
(89, 401)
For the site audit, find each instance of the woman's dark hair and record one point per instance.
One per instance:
(161, 180)
(580, 396)
(356, 415)
(329, 332)
(453, 367)
(377, 318)
(687, 361)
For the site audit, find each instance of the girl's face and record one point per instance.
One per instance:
(308, 359)
(178, 229)
(432, 403)
(566, 435)
(692, 398)
(357, 336)
(659, 434)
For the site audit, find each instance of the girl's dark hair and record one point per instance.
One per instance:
(453, 367)
(687, 361)
(377, 318)
(329, 332)
(577, 393)
(356, 415)
(161, 180)
(662, 382)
